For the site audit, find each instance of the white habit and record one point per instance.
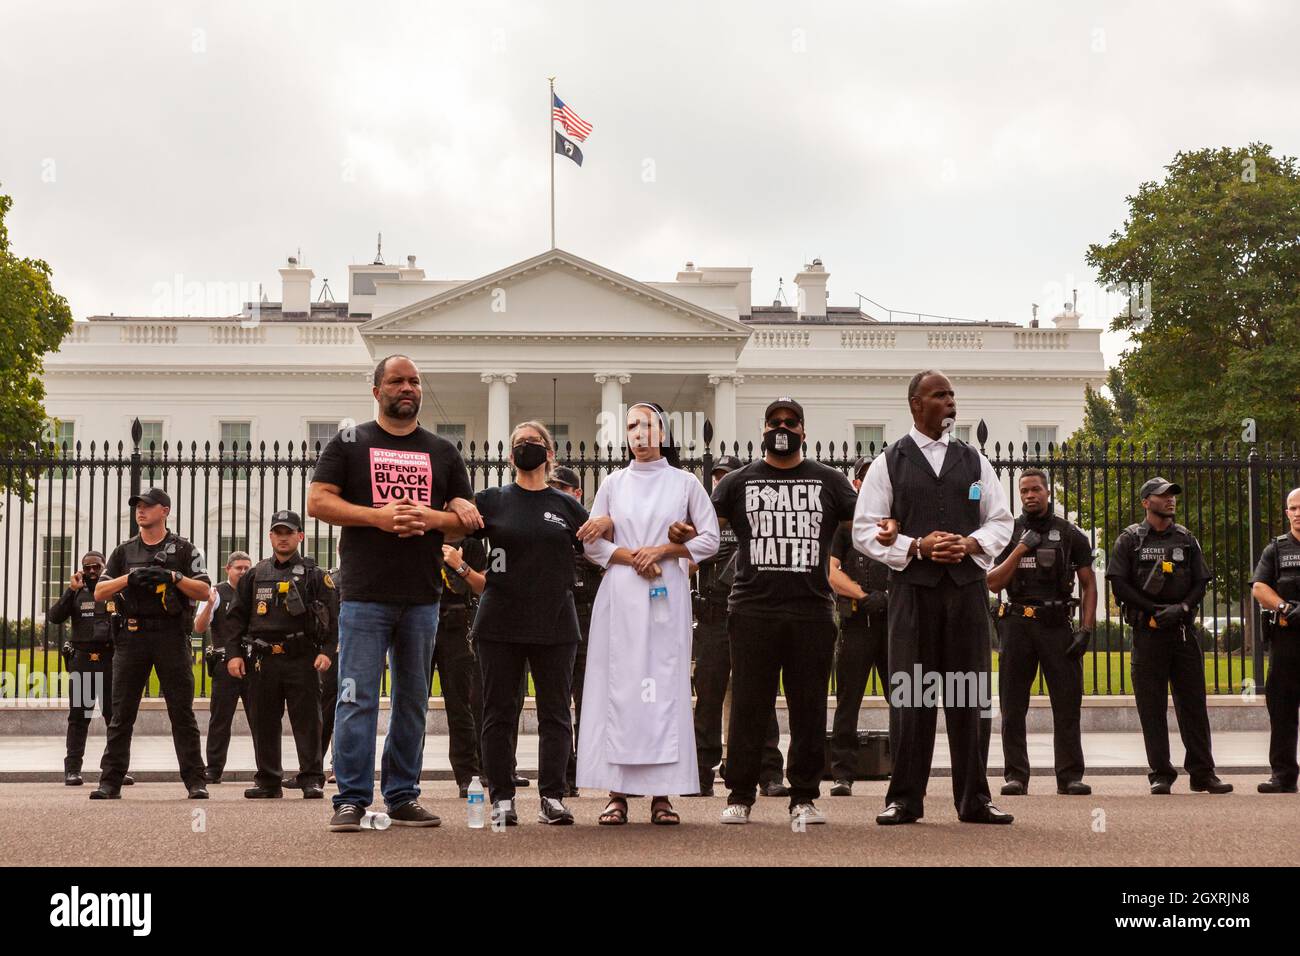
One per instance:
(637, 732)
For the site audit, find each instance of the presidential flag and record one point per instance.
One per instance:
(566, 148)
(573, 124)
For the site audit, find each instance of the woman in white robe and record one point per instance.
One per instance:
(637, 730)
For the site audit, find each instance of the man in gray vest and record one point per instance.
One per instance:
(952, 520)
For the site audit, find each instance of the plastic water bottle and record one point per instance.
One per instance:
(475, 805)
(659, 601)
(376, 821)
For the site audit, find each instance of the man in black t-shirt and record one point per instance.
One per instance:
(784, 510)
(387, 483)
(1276, 586)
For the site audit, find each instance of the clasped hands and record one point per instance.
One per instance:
(407, 519)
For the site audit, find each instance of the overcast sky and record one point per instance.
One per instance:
(949, 158)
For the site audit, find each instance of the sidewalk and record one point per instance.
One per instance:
(40, 759)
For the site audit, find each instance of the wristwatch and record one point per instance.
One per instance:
(919, 553)
(463, 570)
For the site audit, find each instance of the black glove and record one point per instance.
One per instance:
(1079, 645)
(876, 602)
(66, 652)
(148, 576)
(1031, 539)
(1290, 611)
(1170, 615)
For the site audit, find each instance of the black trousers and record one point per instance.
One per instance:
(277, 682)
(939, 634)
(863, 643)
(135, 656)
(502, 663)
(765, 651)
(454, 661)
(1026, 646)
(329, 698)
(1161, 660)
(90, 684)
(227, 692)
(579, 678)
(1282, 695)
(712, 676)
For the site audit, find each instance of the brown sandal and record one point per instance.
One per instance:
(662, 813)
(614, 814)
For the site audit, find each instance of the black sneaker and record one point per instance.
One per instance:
(413, 815)
(106, 793)
(554, 812)
(774, 788)
(312, 792)
(198, 792)
(842, 788)
(72, 779)
(263, 793)
(503, 814)
(347, 819)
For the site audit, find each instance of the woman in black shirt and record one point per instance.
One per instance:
(527, 614)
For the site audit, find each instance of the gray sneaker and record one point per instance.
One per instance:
(554, 812)
(413, 815)
(503, 814)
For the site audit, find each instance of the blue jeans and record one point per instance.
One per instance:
(369, 633)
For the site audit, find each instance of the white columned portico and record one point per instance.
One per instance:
(498, 384)
(724, 406)
(609, 430)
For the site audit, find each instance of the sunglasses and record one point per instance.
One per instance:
(787, 422)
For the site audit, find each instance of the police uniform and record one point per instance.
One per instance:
(1279, 568)
(284, 614)
(1035, 630)
(227, 691)
(1164, 572)
(150, 616)
(329, 679)
(88, 656)
(586, 582)
(863, 644)
(454, 658)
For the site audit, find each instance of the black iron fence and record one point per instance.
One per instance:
(60, 502)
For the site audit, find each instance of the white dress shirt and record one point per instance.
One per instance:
(876, 501)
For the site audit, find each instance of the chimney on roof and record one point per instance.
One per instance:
(811, 283)
(295, 296)
(410, 270)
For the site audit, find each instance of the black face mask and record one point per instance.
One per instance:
(528, 456)
(782, 442)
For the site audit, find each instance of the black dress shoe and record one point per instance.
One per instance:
(1075, 788)
(1274, 786)
(522, 782)
(263, 793)
(1212, 785)
(312, 792)
(198, 792)
(106, 793)
(1014, 788)
(895, 814)
(1161, 788)
(128, 780)
(464, 792)
(213, 777)
(72, 779)
(704, 792)
(571, 791)
(774, 788)
(842, 788)
(988, 814)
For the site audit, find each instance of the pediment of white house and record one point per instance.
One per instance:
(553, 297)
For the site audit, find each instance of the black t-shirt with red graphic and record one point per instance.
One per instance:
(373, 467)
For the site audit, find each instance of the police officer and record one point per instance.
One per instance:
(712, 667)
(88, 658)
(586, 582)
(329, 678)
(152, 580)
(861, 586)
(212, 621)
(1276, 586)
(453, 656)
(285, 620)
(1159, 576)
(1038, 569)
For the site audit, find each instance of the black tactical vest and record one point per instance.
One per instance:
(1044, 574)
(868, 574)
(1162, 569)
(217, 626)
(1287, 550)
(273, 587)
(925, 502)
(586, 582)
(90, 623)
(155, 600)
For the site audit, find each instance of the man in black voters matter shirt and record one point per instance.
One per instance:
(781, 620)
(387, 483)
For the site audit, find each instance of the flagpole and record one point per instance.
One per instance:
(550, 148)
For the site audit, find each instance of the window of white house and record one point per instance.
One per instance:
(319, 435)
(151, 436)
(961, 432)
(235, 438)
(320, 548)
(1040, 436)
(56, 566)
(63, 436)
(868, 439)
(454, 432)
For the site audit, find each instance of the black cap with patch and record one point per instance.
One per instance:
(564, 475)
(784, 401)
(860, 467)
(1160, 486)
(727, 463)
(154, 496)
(286, 519)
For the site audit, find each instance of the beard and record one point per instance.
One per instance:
(396, 408)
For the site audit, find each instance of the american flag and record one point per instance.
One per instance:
(573, 124)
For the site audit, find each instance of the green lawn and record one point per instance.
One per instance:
(1101, 674)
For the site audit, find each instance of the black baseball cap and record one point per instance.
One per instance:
(564, 475)
(154, 496)
(727, 463)
(784, 401)
(286, 519)
(860, 467)
(1160, 486)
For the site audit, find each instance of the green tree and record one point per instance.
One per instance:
(33, 320)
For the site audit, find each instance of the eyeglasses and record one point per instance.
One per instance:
(787, 422)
